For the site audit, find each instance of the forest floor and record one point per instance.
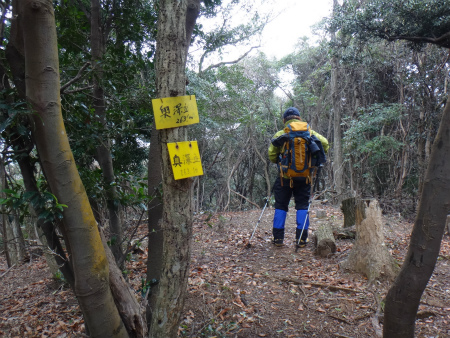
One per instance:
(235, 291)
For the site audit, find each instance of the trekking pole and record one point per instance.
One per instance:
(303, 227)
(309, 206)
(260, 216)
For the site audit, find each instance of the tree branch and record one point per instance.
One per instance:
(442, 41)
(75, 79)
(229, 62)
(240, 195)
(77, 90)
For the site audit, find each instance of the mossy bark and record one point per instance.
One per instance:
(90, 265)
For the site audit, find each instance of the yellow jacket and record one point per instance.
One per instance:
(275, 151)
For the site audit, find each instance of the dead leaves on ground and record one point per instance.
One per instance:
(42, 308)
(236, 291)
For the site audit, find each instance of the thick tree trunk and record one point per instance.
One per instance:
(369, 254)
(402, 300)
(103, 151)
(155, 207)
(15, 56)
(42, 88)
(170, 63)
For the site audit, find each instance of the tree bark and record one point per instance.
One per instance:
(13, 236)
(325, 242)
(19, 241)
(11, 257)
(14, 51)
(103, 151)
(129, 308)
(170, 61)
(369, 254)
(402, 300)
(16, 60)
(42, 88)
(155, 212)
(48, 228)
(193, 10)
(338, 162)
(349, 209)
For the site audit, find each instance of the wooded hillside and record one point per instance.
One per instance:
(84, 169)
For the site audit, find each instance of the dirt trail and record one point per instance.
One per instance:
(234, 291)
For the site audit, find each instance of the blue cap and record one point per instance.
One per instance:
(292, 111)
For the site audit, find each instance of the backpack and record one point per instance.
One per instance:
(297, 151)
(318, 158)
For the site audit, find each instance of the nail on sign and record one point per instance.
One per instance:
(185, 159)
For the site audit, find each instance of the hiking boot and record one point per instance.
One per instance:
(302, 243)
(277, 242)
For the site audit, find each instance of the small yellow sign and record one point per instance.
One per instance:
(172, 112)
(185, 159)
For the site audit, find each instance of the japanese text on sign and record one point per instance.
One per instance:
(185, 159)
(172, 112)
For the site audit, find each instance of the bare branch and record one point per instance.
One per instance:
(9, 269)
(229, 62)
(77, 90)
(240, 195)
(75, 79)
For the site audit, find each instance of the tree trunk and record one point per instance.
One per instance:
(350, 208)
(48, 228)
(11, 257)
(338, 162)
(19, 241)
(170, 61)
(131, 312)
(193, 10)
(325, 242)
(103, 151)
(8, 235)
(155, 212)
(14, 51)
(369, 254)
(16, 60)
(42, 88)
(14, 241)
(402, 300)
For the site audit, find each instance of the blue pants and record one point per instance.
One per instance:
(283, 194)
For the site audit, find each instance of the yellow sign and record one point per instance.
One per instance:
(172, 112)
(185, 159)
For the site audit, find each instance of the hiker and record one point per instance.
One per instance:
(284, 188)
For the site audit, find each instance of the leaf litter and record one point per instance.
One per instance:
(240, 291)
